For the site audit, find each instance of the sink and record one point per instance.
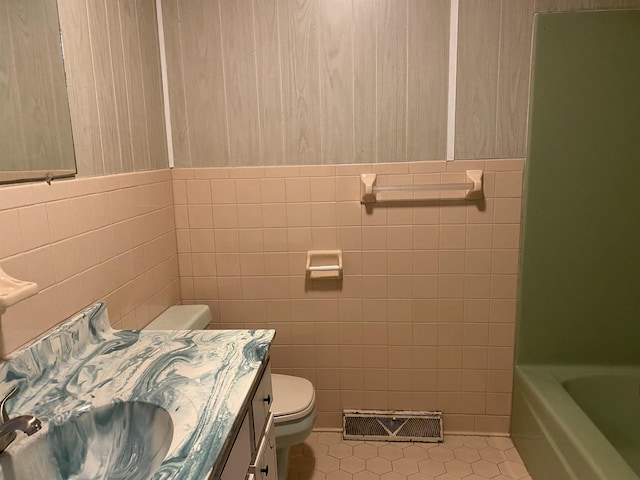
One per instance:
(118, 441)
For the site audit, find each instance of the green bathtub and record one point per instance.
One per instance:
(577, 422)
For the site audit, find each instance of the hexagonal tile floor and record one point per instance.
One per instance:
(325, 456)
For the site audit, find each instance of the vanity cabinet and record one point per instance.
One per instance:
(252, 455)
(261, 405)
(264, 466)
(240, 456)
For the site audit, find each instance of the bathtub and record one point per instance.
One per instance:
(577, 422)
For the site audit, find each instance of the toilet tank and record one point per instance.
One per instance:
(182, 317)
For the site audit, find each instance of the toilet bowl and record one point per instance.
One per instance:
(294, 398)
(294, 412)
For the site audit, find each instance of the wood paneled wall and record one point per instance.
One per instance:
(268, 82)
(114, 82)
(307, 82)
(493, 78)
(35, 131)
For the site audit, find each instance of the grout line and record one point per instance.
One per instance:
(453, 77)
(165, 84)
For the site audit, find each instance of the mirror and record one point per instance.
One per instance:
(35, 126)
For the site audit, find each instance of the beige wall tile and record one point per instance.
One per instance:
(400, 262)
(477, 286)
(499, 381)
(506, 236)
(374, 262)
(505, 261)
(198, 192)
(504, 286)
(347, 188)
(248, 190)
(200, 216)
(374, 238)
(274, 215)
(348, 214)
(400, 237)
(297, 189)
(507, 210)
(10, 236)
(503, 310)
(478, 261)
(451, 261)
(482, 212)
(425, 286)
(249, 240)
(479, 236)
(202, 240)
(272, 190)
(78, 256)
(323, 189)
(34, 227)
(323, 214)
(203, 264)
(223, 191)
(452, 237)
(474, 381)
(298, 214)
(225, 216)
(275, 239)
(500, 358)
(508, 184)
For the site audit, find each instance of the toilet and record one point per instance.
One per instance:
(294, 398)
(294, 412)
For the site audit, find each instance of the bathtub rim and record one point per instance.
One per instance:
(580, 447)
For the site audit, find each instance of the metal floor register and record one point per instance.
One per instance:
(398, 426)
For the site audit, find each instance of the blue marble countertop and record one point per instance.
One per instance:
(201, 378)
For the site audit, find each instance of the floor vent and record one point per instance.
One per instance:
(395, 426)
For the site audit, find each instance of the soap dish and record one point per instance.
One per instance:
(13, 290)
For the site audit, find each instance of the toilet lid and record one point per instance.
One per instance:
(293, 398)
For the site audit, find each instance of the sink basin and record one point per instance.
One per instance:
(118, 441)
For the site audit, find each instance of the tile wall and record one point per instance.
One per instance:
(85, 240)
(424, 317)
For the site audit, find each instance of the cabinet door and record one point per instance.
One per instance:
(240, 456)
(265, 466)
(261, 404)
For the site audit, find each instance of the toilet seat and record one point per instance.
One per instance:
(293, 398)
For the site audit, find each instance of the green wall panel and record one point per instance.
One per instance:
(580, 277)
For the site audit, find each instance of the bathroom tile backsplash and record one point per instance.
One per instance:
(88, 239)
(424, 317)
